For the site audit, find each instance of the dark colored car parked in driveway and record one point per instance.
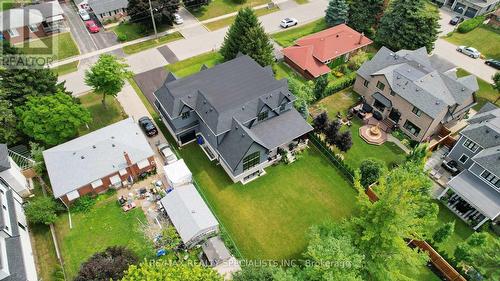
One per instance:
(456, 20)
(493, 63)
(148, 126)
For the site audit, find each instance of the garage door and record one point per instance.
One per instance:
(459, 8)
(470, 12)
(187, 137)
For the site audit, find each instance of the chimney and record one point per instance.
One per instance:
(127, 158)
(361, 37)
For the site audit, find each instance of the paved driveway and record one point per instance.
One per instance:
(445, 16)
(81, 35)
(193, 26)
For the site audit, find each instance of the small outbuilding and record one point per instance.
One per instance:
(189, 214)
(178, 174)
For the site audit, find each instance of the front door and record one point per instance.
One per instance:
(395, 115)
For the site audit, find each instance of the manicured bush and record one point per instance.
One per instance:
(83, 204)
(122, 37)
(470, 24)
(341, 83)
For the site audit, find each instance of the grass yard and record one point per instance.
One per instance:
(221, 7)
(268, 218)
(152, 43)
(483, 38)
(43, 248)
(282, 70)
(103, 226)
(192, 65)
(218, 24)
(132, 31)
(61, 46)
(101, 116)
(287, 38)
(6, 5)
(66, 68)
(485, 93)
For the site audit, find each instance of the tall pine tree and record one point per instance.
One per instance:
(364, 14)
(337, 12)
(408, 25)
(247, 36)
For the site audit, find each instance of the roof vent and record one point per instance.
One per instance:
(242, 135)
(338, 35)
(113, 145)
(236, 128)
(409, 70)
(437, 102)
(496, 137)
(417, 89)
(189, 96)
(93, 146)
(243, 108)
(463, 89)
(398, 77)
(204, 102)
(487, 131)
(82, 157)
(112, 137)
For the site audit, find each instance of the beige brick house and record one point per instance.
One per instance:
(419, 94)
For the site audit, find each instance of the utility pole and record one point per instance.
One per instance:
(153, 19)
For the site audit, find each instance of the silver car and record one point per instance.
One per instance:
(167, 153)
(471, 52)
(84, 14)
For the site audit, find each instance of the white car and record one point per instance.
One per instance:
(84, 14)
(178, 19)
(471, 52)
(288, 22)
(167, 153)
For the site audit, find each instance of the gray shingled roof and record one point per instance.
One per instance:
(104, 6)
(477, 193)
(88, 158)
(489, 159)
(412, 75)
(13, 243)
(215, 251)
(4, 158)
(48, 9)
(484, 127)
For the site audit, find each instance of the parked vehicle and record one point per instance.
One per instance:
(167, 153)
(493, 63)
(456, 20)
(148, 126)
(178, 19)
(287, 22)
(92, 26)
(451, 166)
(471, 52)
(84, 14)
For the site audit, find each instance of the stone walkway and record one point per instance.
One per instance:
(392, 139)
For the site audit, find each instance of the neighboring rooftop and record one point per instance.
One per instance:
(101, 6)
(484, 127)
(83, 160)
(16, 18)
(412, 75)
(215, 251)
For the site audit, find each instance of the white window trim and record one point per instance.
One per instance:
(33, 28)
(467, 139)
(465, 159)
(13, 33)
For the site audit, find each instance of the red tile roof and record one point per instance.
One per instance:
(312, 50)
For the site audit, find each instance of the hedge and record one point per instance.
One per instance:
(340, 83)
(470, 24)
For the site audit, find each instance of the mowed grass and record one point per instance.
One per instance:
(484, 38)
(287, 38)
(133, 31)
(192, 65)
(221, 7)
(103, 226)
(152, 43)
(269, 217)
(66, 68)
(486, 92)
(101, 116)
(218, 24)
(61, 46)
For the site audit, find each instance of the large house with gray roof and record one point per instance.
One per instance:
(474, 194)
(470, 8)
(108, 9)
(111, 157)
(237, 111)
(419, 94)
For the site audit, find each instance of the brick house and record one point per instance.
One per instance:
(32, 22)
(412, 91)
(312, 54)
(111, 157)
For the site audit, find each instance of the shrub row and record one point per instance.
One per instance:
(340, 83)
(338, 162)
(470, 24)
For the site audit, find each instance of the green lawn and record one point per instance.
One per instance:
(483, 38)
(101, 116)
(6, 4)
(282, 70)
(301, 2)
(268, 218)
(133, 31)
(218, 24)
(103, 226)
(148, 44)
(485, 93)
(61, 46)
(66, 68)
(221, 7)
(192, 65)
(287, 38)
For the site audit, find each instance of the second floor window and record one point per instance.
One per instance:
(417, 111)
(494, 180)
(263, 115)
(185, 115)
(472, 146)
(412, 128)
(380, 85)
(366, 83)
(251, 160)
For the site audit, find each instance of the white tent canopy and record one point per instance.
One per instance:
(190, 215)
(178, 174)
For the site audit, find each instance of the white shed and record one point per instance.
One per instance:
(178, 174)
(190, 215)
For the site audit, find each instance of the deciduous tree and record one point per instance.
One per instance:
(163, 11)
(41, 210)
(107, 76)
(332, 131)
(443, 232)
(320, 86)
(408, 25)
(263, 273)
(364, 14)
(8, 123)
(109, 264)
(165, 270)
(370, 171)
(336, 13)
(320, 121)
(496, 84)
(52, 119)
(344, 141)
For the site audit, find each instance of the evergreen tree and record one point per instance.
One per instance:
(163, 11)
(320, 86)
(364, 14)
(336, 13)
(247, 36)
(301, 106)
(443, 232)
(408, 25)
